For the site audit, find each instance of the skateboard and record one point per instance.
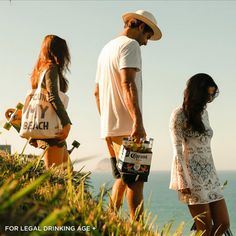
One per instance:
(13, 116)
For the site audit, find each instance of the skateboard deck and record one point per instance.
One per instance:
(13, 116)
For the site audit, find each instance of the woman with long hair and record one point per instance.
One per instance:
(193, 172)
(54, 60)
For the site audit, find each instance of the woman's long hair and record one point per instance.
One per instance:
(54, 51)
(195, 99)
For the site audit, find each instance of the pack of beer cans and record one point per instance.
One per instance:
(135, 157)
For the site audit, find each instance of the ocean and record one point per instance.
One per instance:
(163, 203)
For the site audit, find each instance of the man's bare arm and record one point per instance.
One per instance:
(131, 100)
(96, 94)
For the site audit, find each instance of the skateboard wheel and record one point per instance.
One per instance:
(75, 144)
(7, 126)
(19, 106)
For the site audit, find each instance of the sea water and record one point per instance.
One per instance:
(163, 203)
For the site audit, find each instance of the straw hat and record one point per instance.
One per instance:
(147, 18)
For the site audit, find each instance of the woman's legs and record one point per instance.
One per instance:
(220, 217)
(66, 158)
(212, 217)
(56, 156)
(202, 217)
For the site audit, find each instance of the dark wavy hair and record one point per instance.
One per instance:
(134, 23)
(195, 99)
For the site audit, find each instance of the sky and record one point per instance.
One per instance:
(198, 36)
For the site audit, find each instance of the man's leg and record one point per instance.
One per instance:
(135, 199)
(117, 194)
(118, 187)
(134, 188)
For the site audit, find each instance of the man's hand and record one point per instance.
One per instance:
(138, 132)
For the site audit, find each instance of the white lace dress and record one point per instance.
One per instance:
(193, 165)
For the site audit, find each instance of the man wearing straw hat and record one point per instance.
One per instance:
(118, 95)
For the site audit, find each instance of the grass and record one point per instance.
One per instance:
(55, 202)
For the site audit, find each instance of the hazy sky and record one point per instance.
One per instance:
(198, 36)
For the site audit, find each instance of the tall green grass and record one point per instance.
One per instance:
(31, 196)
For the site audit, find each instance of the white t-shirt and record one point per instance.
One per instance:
(121, 52)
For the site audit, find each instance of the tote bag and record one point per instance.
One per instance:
(39, 119)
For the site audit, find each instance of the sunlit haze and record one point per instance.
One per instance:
(198, 36)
